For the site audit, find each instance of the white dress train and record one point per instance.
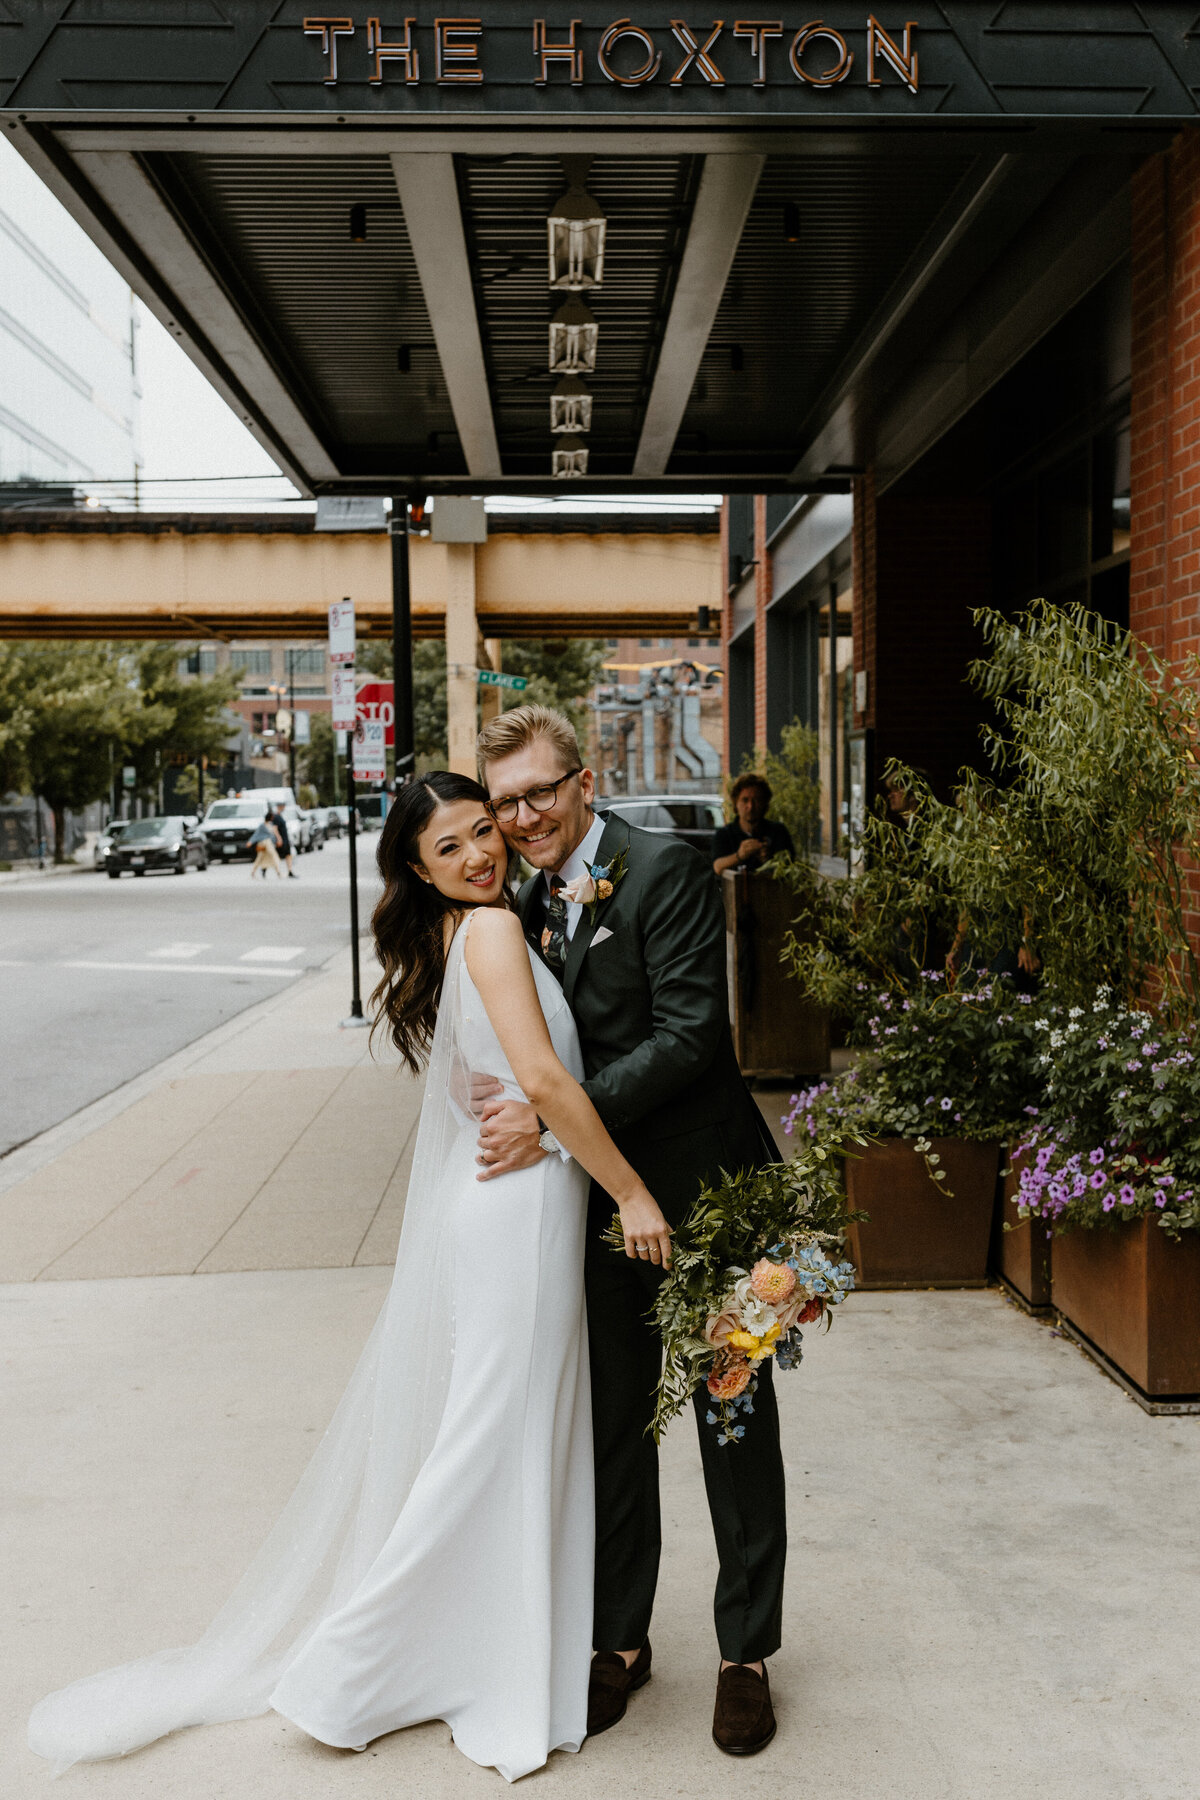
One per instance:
(435, 1561)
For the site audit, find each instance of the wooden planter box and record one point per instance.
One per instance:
(1021, 1256)
(1134, 1294)
(777, 1033)
(918, 1236)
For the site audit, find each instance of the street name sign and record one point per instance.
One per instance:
(493, 678)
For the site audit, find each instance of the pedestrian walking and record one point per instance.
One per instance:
(279, 821)
(264, 841)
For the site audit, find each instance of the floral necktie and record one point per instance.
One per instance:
(554, 932)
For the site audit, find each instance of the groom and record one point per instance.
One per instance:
(643, 971)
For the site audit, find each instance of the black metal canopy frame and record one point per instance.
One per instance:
(785, 248)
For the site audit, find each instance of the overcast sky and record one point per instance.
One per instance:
(186, 429)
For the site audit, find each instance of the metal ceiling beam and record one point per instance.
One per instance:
(429, 196)
(162, 265)
(718, 217)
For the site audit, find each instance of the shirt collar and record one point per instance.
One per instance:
(584, 852)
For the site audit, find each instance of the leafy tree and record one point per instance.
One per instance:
(314, 760)
(182, 718)
(68, 713)
(561, 673)
(879, 928)
(1077, 846)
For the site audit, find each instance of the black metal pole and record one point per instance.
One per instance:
(292, 711)
(356, 1006)
(402, 695)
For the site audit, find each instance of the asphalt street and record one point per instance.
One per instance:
(100, 980)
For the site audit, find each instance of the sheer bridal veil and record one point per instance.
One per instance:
(348, 1499)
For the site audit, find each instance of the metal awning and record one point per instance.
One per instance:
(344, 220)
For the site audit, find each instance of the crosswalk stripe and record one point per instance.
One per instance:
(273, 953)
(185, 968)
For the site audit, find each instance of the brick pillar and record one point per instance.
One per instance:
(1164, 574)
(862, 585)
(762, 597)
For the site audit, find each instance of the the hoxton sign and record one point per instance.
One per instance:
(257, 59)
(453, 52)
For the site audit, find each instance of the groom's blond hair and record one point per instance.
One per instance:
(517, 729)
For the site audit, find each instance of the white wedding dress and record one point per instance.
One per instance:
(435, 1561)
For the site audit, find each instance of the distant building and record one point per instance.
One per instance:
(657, 717)
(68, 375)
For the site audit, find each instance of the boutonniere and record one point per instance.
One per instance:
(598, 884)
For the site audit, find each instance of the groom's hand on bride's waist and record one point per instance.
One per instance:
(508, 1137)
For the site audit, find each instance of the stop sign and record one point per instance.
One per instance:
(375, 700)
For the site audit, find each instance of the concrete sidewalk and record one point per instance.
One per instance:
(275, 1142)
(993, 1572)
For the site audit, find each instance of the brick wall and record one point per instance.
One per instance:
(1164, 577)
(921, 566)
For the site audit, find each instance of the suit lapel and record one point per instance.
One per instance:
(528, 910)
(615, 836)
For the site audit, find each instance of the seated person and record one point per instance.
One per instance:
(752, 839)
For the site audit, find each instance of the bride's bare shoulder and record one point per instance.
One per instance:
(495, 936)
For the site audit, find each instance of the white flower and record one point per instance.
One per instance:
(757, 1316)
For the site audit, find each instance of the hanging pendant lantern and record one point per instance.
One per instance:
(575, 230)
(569, 459)
(573, 334)
(570, 406)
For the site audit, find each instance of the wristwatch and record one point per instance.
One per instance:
(548, 1142)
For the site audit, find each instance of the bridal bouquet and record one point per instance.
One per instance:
(757, 1257)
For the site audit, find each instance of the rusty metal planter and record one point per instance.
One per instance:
(1133, 1294)
(1021, 1256)
(917, 1235)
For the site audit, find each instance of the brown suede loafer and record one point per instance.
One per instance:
(743, 1719)
(610, 1685)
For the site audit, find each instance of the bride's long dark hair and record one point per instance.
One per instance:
(408, 921)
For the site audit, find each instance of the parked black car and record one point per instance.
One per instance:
(156, 844)
(692, 817)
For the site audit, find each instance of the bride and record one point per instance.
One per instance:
(435, 1561)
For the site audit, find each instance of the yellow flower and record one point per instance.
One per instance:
(756, 1347)
(604, 890)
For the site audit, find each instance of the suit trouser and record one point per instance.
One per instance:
(744, 1480)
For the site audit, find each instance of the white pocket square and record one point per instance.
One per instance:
(602, 932)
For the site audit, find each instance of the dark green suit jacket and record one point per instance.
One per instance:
(651, 1005)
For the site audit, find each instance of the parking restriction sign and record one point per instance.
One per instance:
(370, 758)
(341, 632)
(343, 691)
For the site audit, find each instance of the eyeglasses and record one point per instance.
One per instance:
(541, 799)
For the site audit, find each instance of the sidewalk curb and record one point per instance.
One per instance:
(16, 877)
(27, 1158)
